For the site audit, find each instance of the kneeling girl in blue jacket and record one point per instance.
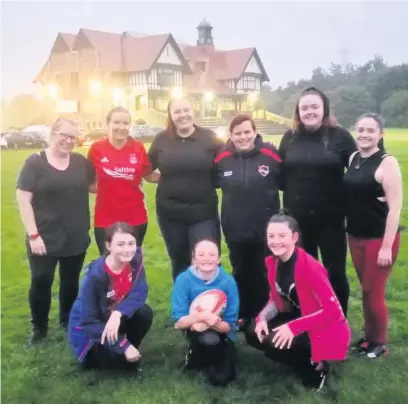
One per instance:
(211, 337)
(110, 316)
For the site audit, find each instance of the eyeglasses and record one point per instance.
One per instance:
(67, 136)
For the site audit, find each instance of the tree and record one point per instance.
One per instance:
(349, 102)
(351, 89)
(395, 109)
(24, 110)
(290, 104)
(4, 113)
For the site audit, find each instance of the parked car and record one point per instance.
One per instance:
(144, 131)
(20, 140)
(3, 141)
(40, 139)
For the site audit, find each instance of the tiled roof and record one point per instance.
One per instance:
(126, 52)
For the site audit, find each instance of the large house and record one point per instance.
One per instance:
(89, 72)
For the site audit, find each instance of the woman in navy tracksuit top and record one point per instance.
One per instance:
(110, 316)
(247, 171)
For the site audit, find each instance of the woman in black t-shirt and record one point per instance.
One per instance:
(53, 198)
(186, 199)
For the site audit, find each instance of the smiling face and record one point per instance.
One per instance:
(243, 136)
(122, 247)
(182, 115)
(206, 256)
(368, 134)
(311, 111)
(281, 239)
(64, 138)
(119, 126)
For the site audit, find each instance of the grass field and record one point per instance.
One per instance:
(48, 373)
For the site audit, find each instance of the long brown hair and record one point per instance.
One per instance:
(169, 122)
(328, 119)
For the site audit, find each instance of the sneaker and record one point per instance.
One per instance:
(317, 379)
(38, 335)
(222, 370)
(360, 347)
(375, 351)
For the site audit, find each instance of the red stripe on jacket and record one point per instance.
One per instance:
(222, 155)
(271, 153)
(322, 315)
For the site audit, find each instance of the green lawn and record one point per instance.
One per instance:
(48, 374)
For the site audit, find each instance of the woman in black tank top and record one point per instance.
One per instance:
(373, 186)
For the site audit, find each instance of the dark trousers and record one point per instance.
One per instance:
(180, 239)
(329, 236)
(135, 328)
(138, 231)
(298, 357)
(42, 269)
(214, 353)
(249, 270)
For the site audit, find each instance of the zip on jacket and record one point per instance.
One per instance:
(250, 192)
(90, 311)
(322, 316)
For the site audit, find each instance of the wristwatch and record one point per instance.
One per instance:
(33, 237)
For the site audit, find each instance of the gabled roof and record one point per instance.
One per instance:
(135, 53)
(225, 65)
(63, 42)
(122, 52)
(69, 39)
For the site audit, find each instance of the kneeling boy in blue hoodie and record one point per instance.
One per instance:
(211, 338)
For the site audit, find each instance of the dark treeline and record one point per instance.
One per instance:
(352, 90)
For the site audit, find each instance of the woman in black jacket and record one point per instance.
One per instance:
(247, 171)
(186, 199)
(315, 153)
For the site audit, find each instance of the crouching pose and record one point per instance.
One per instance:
(110, 318)
(303, 324)
(209, 319)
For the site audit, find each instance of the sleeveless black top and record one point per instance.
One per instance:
(366, 214)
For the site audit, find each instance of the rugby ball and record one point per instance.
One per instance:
(213, 300)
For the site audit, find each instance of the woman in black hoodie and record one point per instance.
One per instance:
(247, 171)
(314, 154)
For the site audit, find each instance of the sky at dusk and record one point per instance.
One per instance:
(292, 38)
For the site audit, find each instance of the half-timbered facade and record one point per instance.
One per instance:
(87, 73)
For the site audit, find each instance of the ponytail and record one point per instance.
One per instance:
(284, 216)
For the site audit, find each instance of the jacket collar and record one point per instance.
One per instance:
(97, 267)
(259, 143)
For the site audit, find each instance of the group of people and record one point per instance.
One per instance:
(336, 188)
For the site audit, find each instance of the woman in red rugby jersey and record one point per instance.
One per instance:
(121, 163)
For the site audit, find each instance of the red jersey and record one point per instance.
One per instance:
(119, 172)
(121, 284)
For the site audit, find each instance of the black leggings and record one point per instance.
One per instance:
(214, 353)
(249, 271)
(135, 328)
(330, 238)
(180, 239)
(138, 231)
(298, 356)
(42, 269)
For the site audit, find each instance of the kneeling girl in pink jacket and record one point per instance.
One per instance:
(302, 325)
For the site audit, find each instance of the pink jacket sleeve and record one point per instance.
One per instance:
(330, 310)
